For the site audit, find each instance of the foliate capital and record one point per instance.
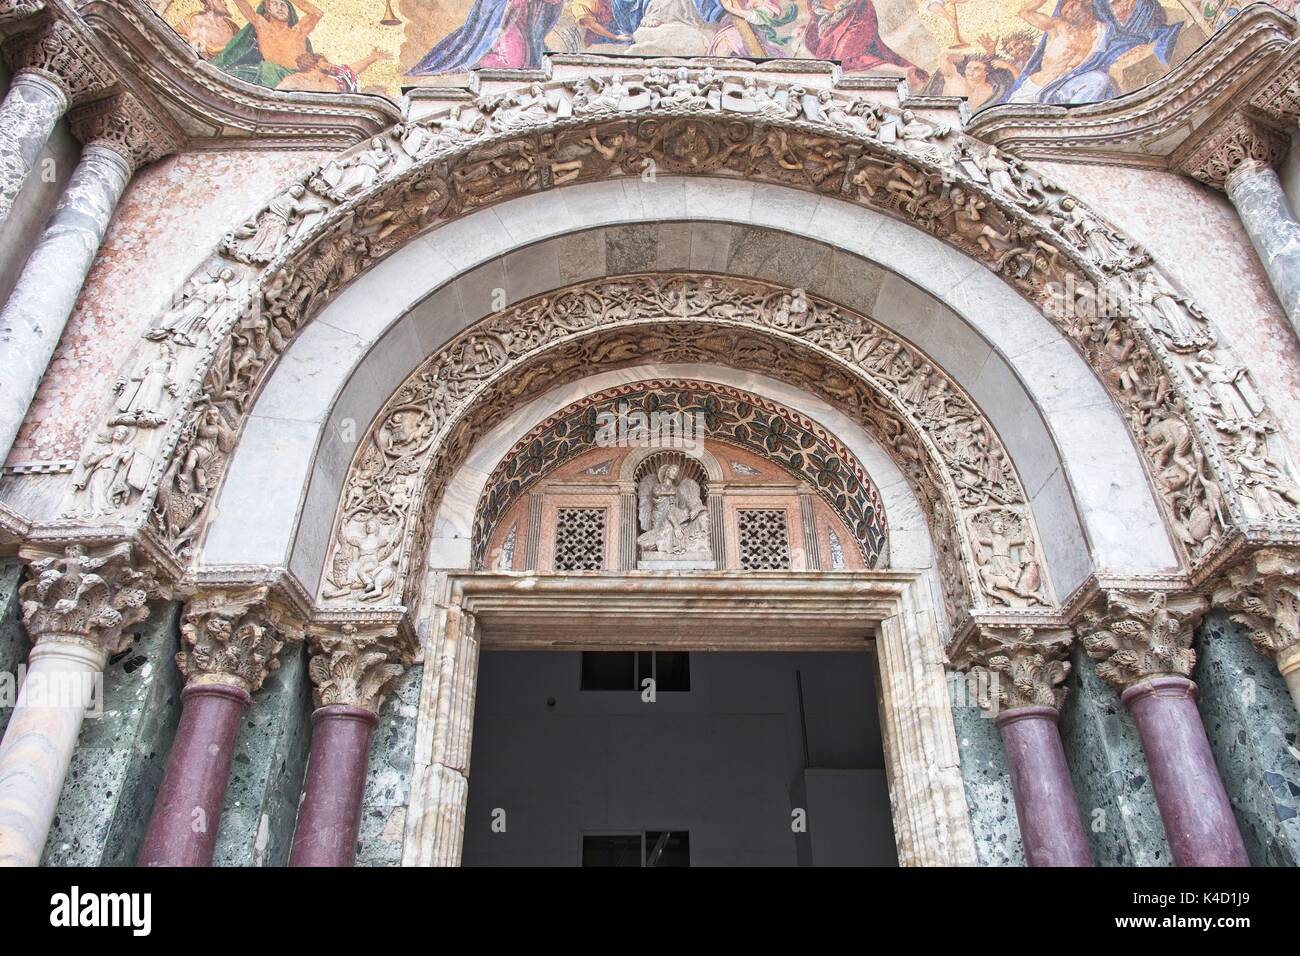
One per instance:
(1018, 666)
(234, 637)
(121, 123)
(1138, 634)
(1235, 142)
(56, 51)
(86, 594)
(356, 665)
(1262, 593)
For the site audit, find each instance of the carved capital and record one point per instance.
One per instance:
(357, 665)
(234, 637)
(1138, 634)
(121, 123)
(1262, 594)
(1280, 96)
(1234, 142)
(16, 11)
(85, 594)
(56, 51)
(1019, 666)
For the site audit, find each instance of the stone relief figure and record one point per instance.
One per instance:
(674, 520)
(140, 396)
(1266, 483)
(1008, 564)
(204, 299)
(105, 471)
(362, 559)
(1232, 395)
(355, 174)
(1084, 230)
(261, 238)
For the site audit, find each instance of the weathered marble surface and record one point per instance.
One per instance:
(13, 639)
(987, 780)
(172, 215)
(1110, 774)
(1253, 730)
(1270, 222)
(388, 776)
(120, 757)
(1198, 239)
(34, 315)
(27, 117)
(270, 756)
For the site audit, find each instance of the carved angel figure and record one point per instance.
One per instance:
(673, 517)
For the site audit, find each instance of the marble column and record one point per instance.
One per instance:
(1020, 673)
(1142, 642)
(1262, 593)
(53, 67)
(231, 642)
(352, 670)
(1256, 193)
(78, 605)
(118, 138)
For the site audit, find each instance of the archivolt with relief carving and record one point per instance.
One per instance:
(1212, 450)
(980, 521)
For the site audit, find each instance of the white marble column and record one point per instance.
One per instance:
(78, 605)
(1256, 192)
(53, 68)
(28, 115)
(33, 317)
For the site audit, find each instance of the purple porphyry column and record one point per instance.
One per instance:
(329, 818)
(183, 828)
(1050, 825)
(1198, 818)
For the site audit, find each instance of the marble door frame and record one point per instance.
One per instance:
(892, 613)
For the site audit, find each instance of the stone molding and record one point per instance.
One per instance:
(60, 53)
(235, 637)
(355, 665)
(14, 13)
(1134, 635)
(1262, 593)
(1279, 97)
(86, 594)
(121, 123)
(1232, 142)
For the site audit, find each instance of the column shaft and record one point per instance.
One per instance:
(28, 115)
(39, 741)
(183, 828)
(329, 818)
(1197, 816)
(1257, 194)
(38, 308)
(1050, 825)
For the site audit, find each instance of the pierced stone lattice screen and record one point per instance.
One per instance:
(580, 539)
(764, 539)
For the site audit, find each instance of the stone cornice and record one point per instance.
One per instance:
(218, 111)
(1145, 127)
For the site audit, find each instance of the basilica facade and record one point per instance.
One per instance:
(752, 443)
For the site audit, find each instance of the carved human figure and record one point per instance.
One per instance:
(674, 519)
(1077, 224)
(140, 395)
(361, 560)
(357, 173)
(1232, 393)
(1005, 557)
(204, 299)
(261, 239)
(1267, 483)
(104, 469)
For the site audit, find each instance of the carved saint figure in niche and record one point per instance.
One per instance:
(674, 520)
(203, 300)
(140, 397)
(104, 471)
(362, 559)
(1008, 564)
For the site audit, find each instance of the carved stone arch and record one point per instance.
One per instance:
(1209, 445)
(978, 512)
(807, 454)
